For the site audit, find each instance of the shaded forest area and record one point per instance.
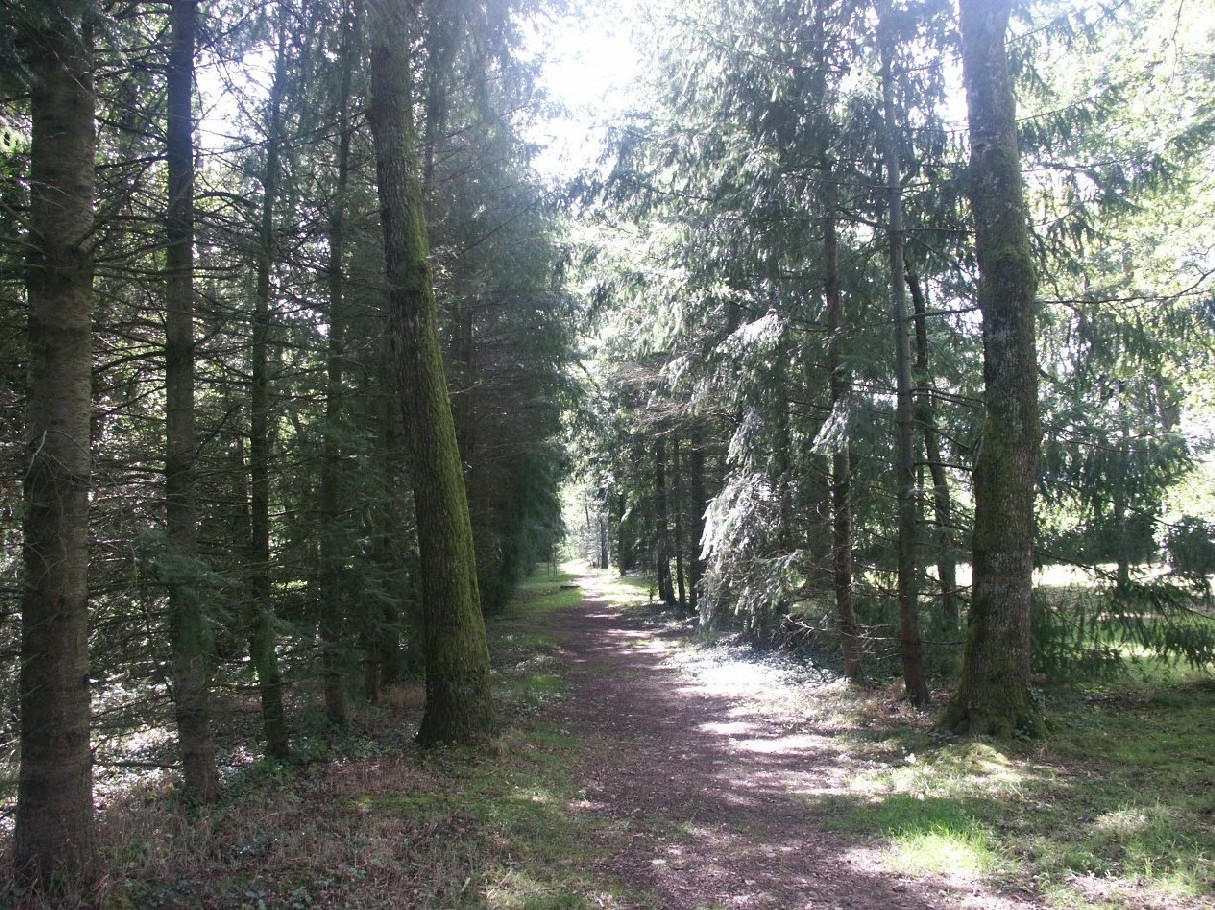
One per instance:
(878, 331)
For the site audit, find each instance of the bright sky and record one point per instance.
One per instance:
(589, 64)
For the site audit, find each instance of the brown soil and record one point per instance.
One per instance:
(710, 771)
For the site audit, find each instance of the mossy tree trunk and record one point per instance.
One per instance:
(189, 633)
(54, 840)
(459, 706)
(993, 695)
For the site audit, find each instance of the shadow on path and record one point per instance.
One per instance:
(712, 791)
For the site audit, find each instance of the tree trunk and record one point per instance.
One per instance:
(699, 503)
(189, 633)
(604, 556)
(942, 501)
(458, 699)
(677, 468)
(262, 637)
(335, 605)
(841, 454)
(910, 645)
(993, 696)
(662, 532)
(624, 543)
(54, 841)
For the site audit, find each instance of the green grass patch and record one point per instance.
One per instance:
(522, 632)
(525, 659)
(1122, 795)
(943, 852)
(923, 834)
(1136, 800)
(625, 591)
(544, 593)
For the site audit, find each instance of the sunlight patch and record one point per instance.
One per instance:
(726, 728)
(941, 852)
(781, 745)
(1123, 822)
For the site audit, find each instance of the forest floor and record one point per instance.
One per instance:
(749, 779)
(639, 768)
(716, 762)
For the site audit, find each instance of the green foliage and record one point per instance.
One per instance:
(1071, 637)
(1097, 633)
(1191, 547)
(749, 145)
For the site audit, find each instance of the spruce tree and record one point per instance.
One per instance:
(993, 696)
(53, 842)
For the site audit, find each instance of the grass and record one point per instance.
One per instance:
(625, 591)
(1116, 810)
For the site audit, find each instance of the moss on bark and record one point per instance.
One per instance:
(993, 696)
(459, 706)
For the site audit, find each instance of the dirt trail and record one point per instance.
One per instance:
(713, 779)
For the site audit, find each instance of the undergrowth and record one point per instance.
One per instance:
(363, 820)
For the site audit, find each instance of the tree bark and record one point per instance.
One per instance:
(993, 695)
(459, 706)
(911, 647)
(335, 605)
(262, 637)
(54, 840)
(189, 633)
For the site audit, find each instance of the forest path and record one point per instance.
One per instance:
(710, 772)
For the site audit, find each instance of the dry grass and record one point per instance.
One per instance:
(370, 821)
